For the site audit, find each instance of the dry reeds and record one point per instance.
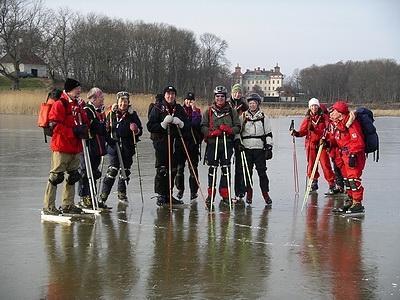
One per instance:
(27, 102)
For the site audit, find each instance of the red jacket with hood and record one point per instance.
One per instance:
(65, 114)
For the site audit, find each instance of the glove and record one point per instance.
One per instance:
(294, 133)
(352, 161)
(215, 133)
(226, 128)
(238, 146)
(268, 152)
(322, 142)
(134, 128)
(81, 131)
(178, 122)
(114, 107)
(167, 120)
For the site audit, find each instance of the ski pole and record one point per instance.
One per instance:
(138, 166)
(243, 168)
(295, 170)
(121, 163)
(190, 162)
(247, 170)
(310, 179)
(100, 180)
(169, 167)
(88, 167)
(228, 179)
(214, 174)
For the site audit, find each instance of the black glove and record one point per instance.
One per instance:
(81, 131)
(352, 161)
(238, 146)
(294, 133)
(268, 152)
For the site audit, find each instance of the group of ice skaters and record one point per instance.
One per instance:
(230, 126)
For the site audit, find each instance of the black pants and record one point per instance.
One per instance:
(161, 180)
(257, 157)
(239, 180)
(221, 160)
(180, 175)
(83, 186)
(113, 170)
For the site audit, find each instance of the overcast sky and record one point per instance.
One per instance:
(293, 33)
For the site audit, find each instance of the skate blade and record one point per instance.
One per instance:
(353, 215)
(57, 219)
(92, 211)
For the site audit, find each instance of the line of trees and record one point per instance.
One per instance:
(356, 81)
(111, 53)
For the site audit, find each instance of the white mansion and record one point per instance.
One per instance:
(269, 82)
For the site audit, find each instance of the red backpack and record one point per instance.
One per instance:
(44, 110)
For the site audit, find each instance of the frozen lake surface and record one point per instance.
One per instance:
(140, 252)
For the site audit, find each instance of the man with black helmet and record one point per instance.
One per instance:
(256, 142)
(219, 125)
(122, 122)
(166, 118)
(240, 105)
(193, 142)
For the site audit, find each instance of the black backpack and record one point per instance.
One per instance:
(366, 119)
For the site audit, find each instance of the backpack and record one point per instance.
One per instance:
(366, 119)
(44, 110)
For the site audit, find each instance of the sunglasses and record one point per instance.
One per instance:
(219, 96)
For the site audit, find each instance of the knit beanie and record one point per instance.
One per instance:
(313, 101)
(70, 84)
(236, 88)
(341, 106)
(190, 96)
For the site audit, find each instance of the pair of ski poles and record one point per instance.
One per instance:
(89, 171)
(122, 167)
(170, 164)
(313, 171)
(215, 172)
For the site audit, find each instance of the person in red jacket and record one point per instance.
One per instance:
(313, 128)
(70, 124)
(348, 136)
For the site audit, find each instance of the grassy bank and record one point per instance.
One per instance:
(27, 102)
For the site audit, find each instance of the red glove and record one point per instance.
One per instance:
(226, 128)
(134, 128)
(215, 133)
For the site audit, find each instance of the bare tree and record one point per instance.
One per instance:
(20, 26)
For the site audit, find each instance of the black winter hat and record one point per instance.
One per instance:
(70, 84)
(169, 88)
(190, 96)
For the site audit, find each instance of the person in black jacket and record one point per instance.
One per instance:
(122, 122)
(193, 143)
(96, 143)
(167, 116)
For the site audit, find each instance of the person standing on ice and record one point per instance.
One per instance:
(122, 122)
(237, 102)
(194, 140)
(70, 125)
(166, 118)
(96, 144)
(220, 124)
(314, 128)
(348, 136)
(256, 142)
